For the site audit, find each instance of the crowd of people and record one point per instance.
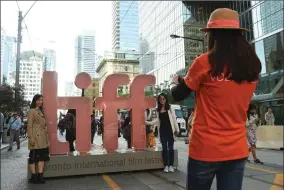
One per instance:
(222, 128)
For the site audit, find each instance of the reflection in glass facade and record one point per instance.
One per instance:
(264, 19)
(195, 16)
(125, 27)
(161, 55)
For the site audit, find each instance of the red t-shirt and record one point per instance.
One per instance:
(218, 132)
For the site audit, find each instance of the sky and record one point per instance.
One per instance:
(55, 24)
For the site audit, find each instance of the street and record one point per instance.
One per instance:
(257, 177)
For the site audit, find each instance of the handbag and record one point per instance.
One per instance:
(8, 132)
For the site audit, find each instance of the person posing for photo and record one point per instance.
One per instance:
(167, 129)
(38, 140)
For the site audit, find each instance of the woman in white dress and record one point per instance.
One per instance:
(252, 124)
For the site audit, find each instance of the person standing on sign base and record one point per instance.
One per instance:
(167, 129)
(38, 140)
(223, 80)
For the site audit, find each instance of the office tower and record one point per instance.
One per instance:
(49, 60)
(264, 19)
(8, 58)
(161, 55)
(125, 25)
(85, 50)
(31, 66)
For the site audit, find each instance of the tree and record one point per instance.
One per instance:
(7, 99)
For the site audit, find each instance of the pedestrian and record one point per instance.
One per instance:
(252, 124)
(223, 80)
(102, 129)
(70, 127)
(167, 129)
(1, 126)
(127, 130)
(93, 128)
(38, 140)
(269, 117)
(14, 127)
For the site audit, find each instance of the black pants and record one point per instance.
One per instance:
(93, 132)
(168, 150)
(70, 138)
(129, 143)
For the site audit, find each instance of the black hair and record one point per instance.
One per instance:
(230, 51)
(251, 107)
(35, 99)
(72, 111)
(167, 105)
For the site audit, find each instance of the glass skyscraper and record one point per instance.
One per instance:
(85, 52)
(161, 55)
(8, 58)
(125, 27)
(264, 19)
(49, 60)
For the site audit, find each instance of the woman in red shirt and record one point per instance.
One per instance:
(224, 80)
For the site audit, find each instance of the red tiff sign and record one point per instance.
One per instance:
(109, 103)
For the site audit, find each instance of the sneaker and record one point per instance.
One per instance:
(10, 149)
(257, 161)
(166, 170)
(171, 169)
(248, 160)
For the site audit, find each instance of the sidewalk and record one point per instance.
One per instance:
(6, 145)
(271, 157)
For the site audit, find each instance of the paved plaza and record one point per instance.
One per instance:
(257, 177)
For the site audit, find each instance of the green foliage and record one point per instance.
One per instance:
(7, 99)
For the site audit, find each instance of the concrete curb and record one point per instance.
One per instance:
(6, 147)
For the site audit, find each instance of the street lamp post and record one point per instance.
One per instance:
(173, 36)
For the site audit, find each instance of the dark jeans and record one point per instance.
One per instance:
(168, 150)
(129, 143)
(70, 138)
(229, 174)
(93, 132)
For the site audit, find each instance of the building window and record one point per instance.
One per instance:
(120, 55)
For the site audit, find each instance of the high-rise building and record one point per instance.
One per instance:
(49, 60)
(31, 66)
(264, 19)
(161, 55)
(8, 58)
(85, 50)
(125, 25)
